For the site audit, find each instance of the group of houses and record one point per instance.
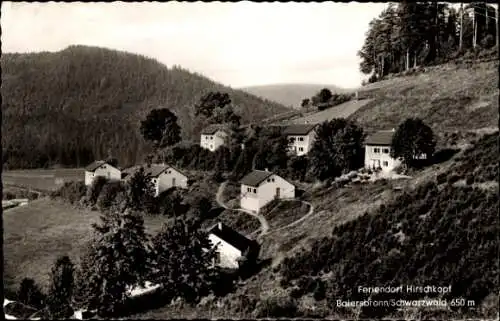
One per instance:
(257, 188)
(301, 138)
(163, 176)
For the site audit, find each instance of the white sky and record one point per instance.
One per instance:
(237, 44)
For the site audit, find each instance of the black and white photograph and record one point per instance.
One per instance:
(250, 160)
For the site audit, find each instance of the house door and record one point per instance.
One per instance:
(173, 181)
(277, 192)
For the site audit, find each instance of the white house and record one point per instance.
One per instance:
(378, 149)
(232, 246)
(101, 168)
(300, 137)
(260, 187)
(163, 176)
(213, 137)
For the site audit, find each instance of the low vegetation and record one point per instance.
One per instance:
(282, 213)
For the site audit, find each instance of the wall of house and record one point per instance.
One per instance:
(165, 180)
(381, 158)
(228, 254)
(213, 142)
(266, 192)
(249, 199)
(305, 144)
(108, 171)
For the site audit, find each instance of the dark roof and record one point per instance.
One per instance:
(299, 129)
(95, 165)
(231, 236)
(383, 137)
(255, 177)
(212, 129)
(154, 170)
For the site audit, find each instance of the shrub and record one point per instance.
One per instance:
(453, 178)
(95, 189)
(109, 194)
(470, 179)
(8, 196)
(276, 307)
(441, 178)
(71, 191)
(30, 294)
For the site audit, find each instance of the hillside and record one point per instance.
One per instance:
(73, 106)
(290, 95)
(447, 97)
(363, 235)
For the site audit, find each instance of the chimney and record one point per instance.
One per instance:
(219, 226)
(393, 129)
(265, 169)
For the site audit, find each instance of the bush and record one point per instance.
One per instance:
(71, 191)
(30, 294)
(469, 180)
(109, 194)
(276, 308)
(453, 178)
(441, 178)
(95, 189)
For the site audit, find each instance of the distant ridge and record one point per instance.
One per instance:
(290, 95)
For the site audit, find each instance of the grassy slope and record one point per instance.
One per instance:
(93, 98)
(333, 207)
(36, 234)
(447, 97)
(290, 95)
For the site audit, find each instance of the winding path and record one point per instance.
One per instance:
(263, 221)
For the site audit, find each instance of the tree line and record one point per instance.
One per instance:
(82, 103)
(411, 34)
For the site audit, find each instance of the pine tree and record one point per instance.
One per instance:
(61, 289)
(140, 191)
(117, 259)
(184, 261)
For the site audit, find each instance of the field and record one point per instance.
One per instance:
(340, 111)
(41, 179)
(448, 98)
(36, 234)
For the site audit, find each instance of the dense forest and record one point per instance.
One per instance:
(411, 34)
(84, 103)
(442, 233)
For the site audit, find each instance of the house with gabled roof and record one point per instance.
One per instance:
(378, 151)
(300, 137)
(232, 246)
(214, 136)
(163, 176)
(103, 169)
(261, 187)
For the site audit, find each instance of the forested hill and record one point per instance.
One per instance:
(76, 105)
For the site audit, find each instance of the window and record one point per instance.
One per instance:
(301, 149)
(272, 180)
(255, 190)
(211, 146)
(385, 163)
(211, 137)
(249, 189)
(301, 139)
(385, 150)
(376, 150)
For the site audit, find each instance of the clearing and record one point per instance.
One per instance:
(447, 97)
(36, 234)
(42, 179)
